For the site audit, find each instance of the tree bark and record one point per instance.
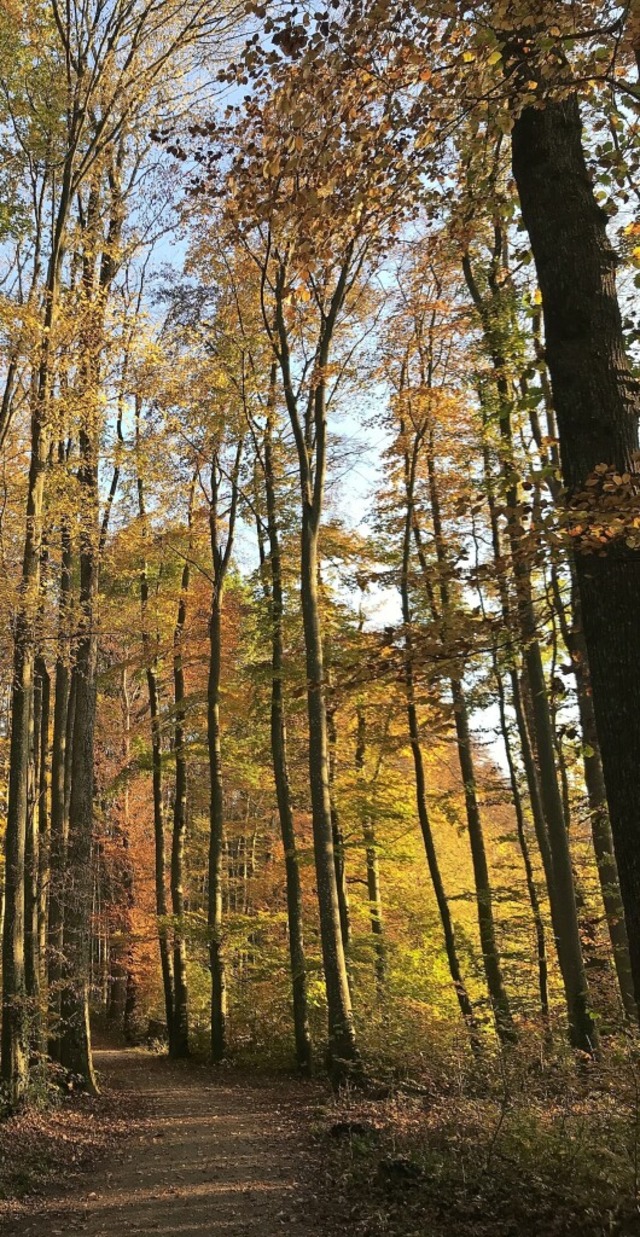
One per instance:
(374, 893)
(534, 901)
(484, 894)
(597, 404)
(160, 865)
(75, 1042)
(220, 559)
(462, 995)
(573, 637)
(310, 436)
(336, 823)
(302, 1032)
(180, 1045)
(555, 844)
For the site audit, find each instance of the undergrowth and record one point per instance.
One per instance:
(518, 1144)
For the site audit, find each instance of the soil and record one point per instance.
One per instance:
(211, 1153)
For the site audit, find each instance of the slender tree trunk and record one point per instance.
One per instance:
(43, 817)
(556, 854)
(15, 1028)
(59, 814)
(342, 1044)
(130, 1005)
(13, 1040)
(336, 826)
(484, 894)
(162, 910)
(32, 867)
(374, 893)
(220, 559)
(180, 1045)
(302, 1033)
(216, 840)
(311, 446)
(534, 901)
(462, 995)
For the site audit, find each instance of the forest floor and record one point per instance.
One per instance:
(186, 1151)
(204, 1154)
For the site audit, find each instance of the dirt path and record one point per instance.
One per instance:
(218, 1154)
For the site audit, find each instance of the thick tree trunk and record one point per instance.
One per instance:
(573, 637)
(556, 854)
(596, 401)
(75, 1044)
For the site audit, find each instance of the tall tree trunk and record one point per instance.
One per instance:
(62, 709)
(302, 1032)
(573, 637)
(556, 854)
(15, 1020)
(534, 901)
(310, 434)
(13, 1040)
(162, 909)
(43, 815)
(342, 1042)
(32, 866)
(597, 404)
(75, 1045)
(374, 894)
(484, 894)
(160, 865)
(462, 995)
(58, 799)
(180, 1045)
(336, 824)
(220, 558)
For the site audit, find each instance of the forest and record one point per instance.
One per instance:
(320, 608)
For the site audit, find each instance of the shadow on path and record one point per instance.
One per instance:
(219, 1154)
